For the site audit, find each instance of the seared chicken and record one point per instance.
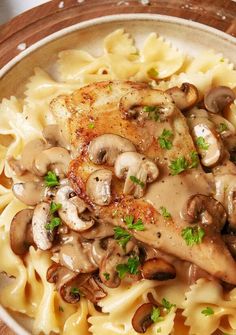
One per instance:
(159, 198)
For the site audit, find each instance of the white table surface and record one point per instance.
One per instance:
(11, 8)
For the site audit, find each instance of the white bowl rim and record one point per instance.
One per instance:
(4, 315)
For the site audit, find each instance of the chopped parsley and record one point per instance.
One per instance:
(153, 73)
(138, 225)
(167, 305)
(54, 207)
(51, 179)
(156, 315)
(207, 311)
(91, 125)
(61, 309)
(130, 267)
(153, 112)
(181, 164)
(165, 213)
(122, 236)
(159, 330)
(222, 127)
(137, 181)
(193, 235)
(74, 291)
(55, 222)
(165, 140)
(201, 143)
(106, 275)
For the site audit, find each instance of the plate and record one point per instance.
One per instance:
(189, 36)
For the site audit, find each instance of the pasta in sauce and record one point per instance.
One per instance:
(188, 299)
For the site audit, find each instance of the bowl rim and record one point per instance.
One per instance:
(4, 314)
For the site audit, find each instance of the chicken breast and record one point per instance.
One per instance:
(141, 115)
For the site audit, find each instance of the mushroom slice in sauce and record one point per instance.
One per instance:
(207, 210)
(53, 135)
(229, 113)
(30, 193)
(158, 269)
(137, 170)
(98, 187)
(55, 158)
(131, 104)
(230, 241)
(185, 96)
(98, 231)
(71, 208)
(142, 318)
(104, 149)
(31, 150)
(39, 221)
(218, 98)
(21, 232)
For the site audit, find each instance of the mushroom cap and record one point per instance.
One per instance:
(39, 221)
(31, 150)
(230, 241)
(104, 149)
(142, 317)
(185, 96)
(71, 208)
(30, 193)
(158, 269)
(217, 98)
(54, 136)
(20, 232)
(98, 187)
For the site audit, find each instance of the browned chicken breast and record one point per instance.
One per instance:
(134, 156)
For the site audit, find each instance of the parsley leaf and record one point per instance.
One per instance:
(137, 181)
(74, 291)
(153, 112)
(156, 314)
(167, 305)
(61, 309)
(130, 267)
(165, 140)
(54, 207)
(122, 236)
(129, 220)
(55, 222)
(106, 275)
(153, 73)
(222, 127)
(207, 311)
(194, 160)
(159, 330)
(165, 213)
(201, 143)
(179, 165)
(193, 235)
(91, 125)
(51, 179)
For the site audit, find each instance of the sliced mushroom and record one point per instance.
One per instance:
(161, 103)
(230, 199)
(218, 98)
(104, 149)
(229, 113)
(31, 150)
(71, 208)
(137, 170)
(91, 288)
(98, 231)
(98, 187)
(39, 221)
(158, 269)
(30, 193)
(55, 158)
(230, 241)
(53, 135)
(212, 151)
(207, 210)
(142, 318)
(21, 232)
(185, 96)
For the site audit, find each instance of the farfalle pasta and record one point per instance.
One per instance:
(139, 303)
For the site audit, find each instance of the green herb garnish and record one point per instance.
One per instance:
(178, 165)
(201, 143)
(51, 179)
(130, 267)
(153, 112)
(55, 222)
(222, 127)
(61, 309)
(165, 213)
(153, 73)
(106, 275)
(74, 291)
(193, 235)
(194, 160)
(54, 207)
(122, 236)
(91, 125)
(207, 311)
(137, 181)
(138, 225)
(156, 315)
(167, 305)
(159, 330)
(165, 140)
